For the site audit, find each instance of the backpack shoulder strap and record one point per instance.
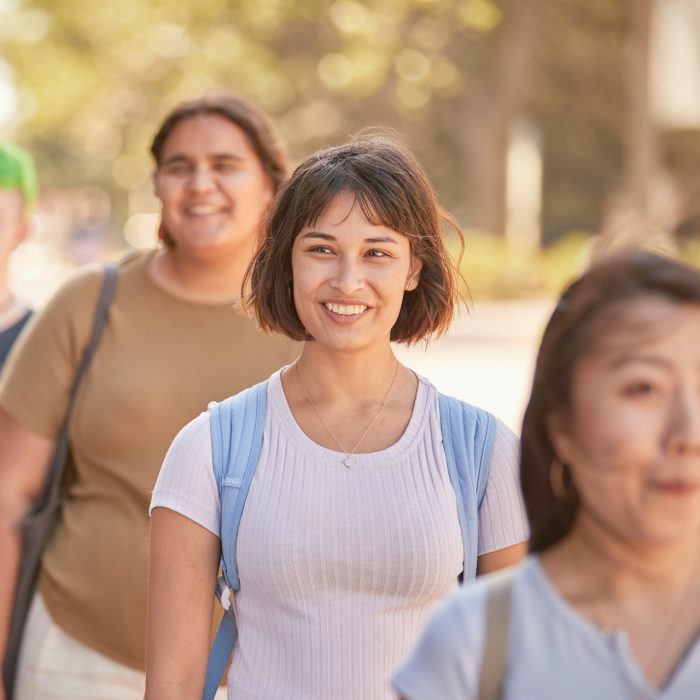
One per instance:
(108, 290)
(468, 433)
(494, 663)
(236, 427)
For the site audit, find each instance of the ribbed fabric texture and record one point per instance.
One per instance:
(339, 567)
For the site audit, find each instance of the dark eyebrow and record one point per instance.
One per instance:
(318, 234)
(630, 358)
(176, 158)
(382, 239)
(226, 156)
(182, 158)
(328, 237)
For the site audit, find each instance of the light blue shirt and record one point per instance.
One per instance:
(554, 653)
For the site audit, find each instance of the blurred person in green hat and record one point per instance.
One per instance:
(18, 194)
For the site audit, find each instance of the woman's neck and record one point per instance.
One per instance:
(11, 310)
(616, 568)
(206, 279)
(346, 377)
(652, 593)
(352, 402)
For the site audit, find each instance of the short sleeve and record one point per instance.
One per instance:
(186, 482)
(39, 372)
(446, 661)
(502, 517)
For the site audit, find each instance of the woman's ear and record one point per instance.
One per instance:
(23, 231)
(414, 274)
(560, 436)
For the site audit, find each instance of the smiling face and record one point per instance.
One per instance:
(632, 436)
(349, 277)
(212, 186)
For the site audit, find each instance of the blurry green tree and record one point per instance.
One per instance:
(93, 78)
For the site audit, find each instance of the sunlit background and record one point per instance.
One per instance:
(552, 128)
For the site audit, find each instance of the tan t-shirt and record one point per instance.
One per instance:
(159, 363)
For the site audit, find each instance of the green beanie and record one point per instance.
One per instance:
(17, 173)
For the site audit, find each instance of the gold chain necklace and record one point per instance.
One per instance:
(347, 459)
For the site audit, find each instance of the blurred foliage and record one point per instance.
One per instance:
(491, 269)
(93, 79)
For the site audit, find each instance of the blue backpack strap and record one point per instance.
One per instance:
(236, 426)
(468, 433)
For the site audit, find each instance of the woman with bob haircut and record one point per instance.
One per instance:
(165, 351)
(608, 603)
(351, 527)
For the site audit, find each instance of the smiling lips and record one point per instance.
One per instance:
(677, 487)
(345, 309)
(203, 210)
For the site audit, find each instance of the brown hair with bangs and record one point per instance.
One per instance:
(591, 308)
(392, 190)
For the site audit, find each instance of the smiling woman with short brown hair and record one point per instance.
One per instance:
(357, 516)
(391, 190)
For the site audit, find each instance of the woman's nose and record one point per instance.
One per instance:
(347, 277)
(201, 179)
(685, 422)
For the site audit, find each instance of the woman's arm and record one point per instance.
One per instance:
(503, 528)
(183, 565)
(501, 558)
(24, 457)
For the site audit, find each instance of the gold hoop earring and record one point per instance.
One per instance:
(557, 480)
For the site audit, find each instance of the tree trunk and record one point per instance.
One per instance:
(642, 146)
(647, 205)
(490, 110)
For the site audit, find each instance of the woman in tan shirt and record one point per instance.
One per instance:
(172, 343)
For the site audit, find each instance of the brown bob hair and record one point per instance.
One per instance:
(254, 123)
(588, 310)
(392, 190)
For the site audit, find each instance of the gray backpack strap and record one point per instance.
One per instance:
(468, 433)
(494, 663)
(236, 427)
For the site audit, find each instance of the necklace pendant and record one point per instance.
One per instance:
(347, 461)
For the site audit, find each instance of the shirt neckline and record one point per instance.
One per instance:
(278, 401)
(615, 640)
(146, 260)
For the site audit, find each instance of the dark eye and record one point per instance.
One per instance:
(177, 169)
(226, 166)
(641, 388)
(377, 254)
(320, 249)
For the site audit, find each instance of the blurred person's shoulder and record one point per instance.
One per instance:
(82, 286)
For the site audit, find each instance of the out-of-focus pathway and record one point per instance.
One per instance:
(488, 356)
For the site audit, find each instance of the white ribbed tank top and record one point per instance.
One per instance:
(339, 566)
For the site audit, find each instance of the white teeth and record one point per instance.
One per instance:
(202, 210)
(346, 309)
